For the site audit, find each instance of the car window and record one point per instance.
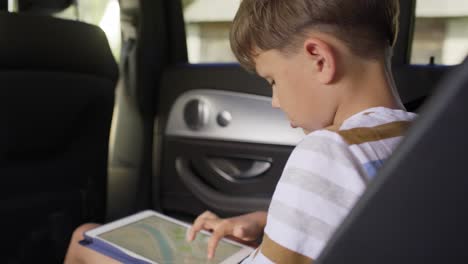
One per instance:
(440, 32)
(207, 25)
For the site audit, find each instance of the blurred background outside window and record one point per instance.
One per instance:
(207, 25)
(440, 31)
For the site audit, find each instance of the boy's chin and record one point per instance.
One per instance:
(306, 131)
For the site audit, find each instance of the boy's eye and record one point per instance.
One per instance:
(272, 83)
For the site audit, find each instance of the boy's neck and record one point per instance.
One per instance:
(371, 85)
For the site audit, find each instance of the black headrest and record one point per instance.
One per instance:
(44, 6)
(415, 211)
(30, 42)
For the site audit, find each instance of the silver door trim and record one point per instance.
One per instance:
(253, 120)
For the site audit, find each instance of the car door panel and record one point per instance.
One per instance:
(188, 180)
(231, 169)
(230, 116)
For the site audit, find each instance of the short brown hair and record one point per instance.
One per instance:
(367, 27)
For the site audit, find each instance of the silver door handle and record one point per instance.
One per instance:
(238, 169)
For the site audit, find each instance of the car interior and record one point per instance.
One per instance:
(94, 132)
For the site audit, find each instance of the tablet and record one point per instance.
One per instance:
(155, 238)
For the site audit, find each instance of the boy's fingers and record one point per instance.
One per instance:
(206, 224)
(204, 221)
(223, 228)
(213, 243)
(209, 215)
(196, 227)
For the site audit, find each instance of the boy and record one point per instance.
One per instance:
(328, 63)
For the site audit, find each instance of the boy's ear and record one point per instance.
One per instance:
(323, 59)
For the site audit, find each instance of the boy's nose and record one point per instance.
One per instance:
(275, 102)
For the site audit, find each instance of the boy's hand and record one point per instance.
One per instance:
(248, 227)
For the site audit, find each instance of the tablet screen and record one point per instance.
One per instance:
(164, 242)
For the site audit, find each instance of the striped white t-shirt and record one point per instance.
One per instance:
(323, 178)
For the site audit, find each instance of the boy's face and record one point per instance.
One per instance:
(297, 88)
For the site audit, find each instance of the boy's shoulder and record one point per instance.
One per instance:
(319, 153)
(375, 117)
(364, 137)
(360, 145)
(370, 125)
(342, 160)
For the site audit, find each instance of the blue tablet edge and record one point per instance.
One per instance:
(110, 251)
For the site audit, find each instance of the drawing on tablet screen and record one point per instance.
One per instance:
(164, 242)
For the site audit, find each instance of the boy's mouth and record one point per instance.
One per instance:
(293, 126)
